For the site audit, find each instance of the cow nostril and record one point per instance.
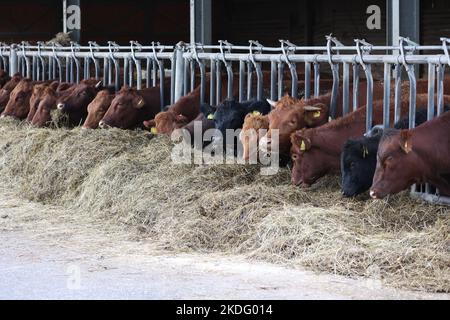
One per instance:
(373, 195)
(60, 106)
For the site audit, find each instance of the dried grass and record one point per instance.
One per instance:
(127, 178)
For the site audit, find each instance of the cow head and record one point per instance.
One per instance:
(397, 164)
(124, 110)
(97, 109)
(35, 99)
(19, 102)
(76, 101)
(250, 134)
(6, 90)
(4, 78)
(358, 162)
(287, 118)
(310, 161)
(166, 122)
(47, 103)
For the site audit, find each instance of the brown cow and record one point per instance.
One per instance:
(420, 155)
(97, 108)
(178, 115)
(75, 103)
(37, 95)
(19, 102)
(7, 89)
(251, 134)
(47, 103)
(316, 152)
(294, 116)
(290, 115)
(131, 107)
(4, 78)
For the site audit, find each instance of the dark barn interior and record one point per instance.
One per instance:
(303, 22)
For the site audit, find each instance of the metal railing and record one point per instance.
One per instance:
(244, 68)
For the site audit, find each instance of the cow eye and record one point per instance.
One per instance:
(294, 157)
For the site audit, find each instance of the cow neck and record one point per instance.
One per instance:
(435, 130)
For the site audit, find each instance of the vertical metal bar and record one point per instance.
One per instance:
(218, 82)
(192, 74)
(109, 73)
(212, 82)
(125, 72)
(249, 80)
(387, 95)
(355, 86)
(230, 80)
(13, 63)
(431, 88)
(148, 72)
(241, 80)
(294, 80)
(202, 81)
(179, 67)
(259, 81)
(105, 70)
(307, 80)
(273, 80)
(138, 74)
(154, 72)
(440, 89)
(335, 90)
(162, 77)
(412, 97)
(398, 92)
(369, 105)
(316, 79)
(346, 89)
(172, 77)
(67, 69)
(280, 79)
(131, 72)
(186, 79)
(34, 65)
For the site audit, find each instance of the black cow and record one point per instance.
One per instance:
(359, 157)
(230, 114)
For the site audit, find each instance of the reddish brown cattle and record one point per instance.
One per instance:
(19, 102)
(420, 155)
(75, 103)
(178, 115)
(36, 97)
(47, 103)
(131, 107)
(6, 90)
(251, 134)
(4, 78)
(293, 115)
(316, 152)
(97, 108)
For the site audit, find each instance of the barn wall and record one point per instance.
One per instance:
(237, 21)
(28, 20)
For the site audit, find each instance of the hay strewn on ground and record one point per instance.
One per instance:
(125, 177)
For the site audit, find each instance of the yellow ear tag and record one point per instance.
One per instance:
(303, 146)
(211, 116)
(256, 113)
(154, 130)
(317, 114)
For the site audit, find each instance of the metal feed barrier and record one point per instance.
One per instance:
(123, 65)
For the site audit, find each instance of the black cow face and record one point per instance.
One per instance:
(358, 163)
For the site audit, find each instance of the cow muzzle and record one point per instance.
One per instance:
(60, 106)
(374, 194)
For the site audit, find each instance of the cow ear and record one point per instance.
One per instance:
(315, 115)
(406, 141)
(302, 142)
(140, 103)
(272, 103)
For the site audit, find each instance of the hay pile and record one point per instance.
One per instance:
(127, 178)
